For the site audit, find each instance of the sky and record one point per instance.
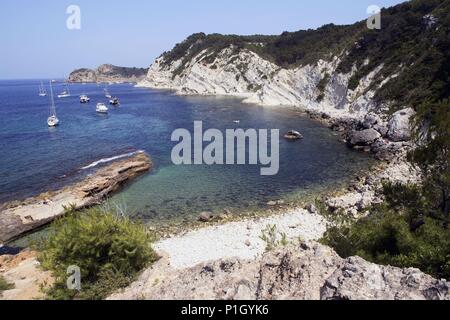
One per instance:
(36, 43)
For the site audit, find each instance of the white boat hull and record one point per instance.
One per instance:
(53, 121)
(101, 108)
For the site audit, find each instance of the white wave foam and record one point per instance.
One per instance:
(106, 160)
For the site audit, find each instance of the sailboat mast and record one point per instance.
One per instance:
(53, 108)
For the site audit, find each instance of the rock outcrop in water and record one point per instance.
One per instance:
(108, 73)
(19, 217)
(308, 271)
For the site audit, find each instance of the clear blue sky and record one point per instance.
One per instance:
(35, 42)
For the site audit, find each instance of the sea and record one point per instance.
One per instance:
(35, 158)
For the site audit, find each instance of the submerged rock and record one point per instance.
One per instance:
(293, 135)
(206, 216)
(358, 279)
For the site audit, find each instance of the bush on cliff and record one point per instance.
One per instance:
(5, 285)
(411, 228)
(108, 249)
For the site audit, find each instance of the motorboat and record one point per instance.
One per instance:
(101, 108)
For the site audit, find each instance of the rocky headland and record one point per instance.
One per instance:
(108, 73)
(19, 217)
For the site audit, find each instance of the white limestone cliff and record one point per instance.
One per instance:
(245, 74)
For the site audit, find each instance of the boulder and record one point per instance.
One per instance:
(358, 279)
(205, 216)
(364, 137)
(399, 127)
(370, 121)
(293, 135)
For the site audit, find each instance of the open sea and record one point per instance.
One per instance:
(35, 158)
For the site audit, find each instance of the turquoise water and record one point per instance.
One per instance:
(35, 158)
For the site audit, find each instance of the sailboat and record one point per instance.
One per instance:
(65, 93)
(52, 121)
(107, 94)
(42, 91)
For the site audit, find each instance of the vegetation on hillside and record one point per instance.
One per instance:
(411, 228)
(108, 249)
(5, 285)
(413, 43)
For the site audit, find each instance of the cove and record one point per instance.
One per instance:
(36, 159)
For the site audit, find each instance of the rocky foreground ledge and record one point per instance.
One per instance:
(17, 218)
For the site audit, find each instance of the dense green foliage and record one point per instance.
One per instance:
(109, 250)
(409, 44)
(411, 228)
(5, 285)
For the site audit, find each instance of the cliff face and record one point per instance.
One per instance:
(343, 71)
(244, 73)
(108, 73)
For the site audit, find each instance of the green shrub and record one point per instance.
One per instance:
(273, 238)
(108, 249)
(5, 285)
(397, 233)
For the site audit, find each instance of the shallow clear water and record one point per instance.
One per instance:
(35, 158)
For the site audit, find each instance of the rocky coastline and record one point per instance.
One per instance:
(107, 73)
(19, 217)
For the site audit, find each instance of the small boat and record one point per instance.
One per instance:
(107, 94)
(53, 120)
(84, 98)
(237, 121)
(293, 135)
(114, 101)
(101, 108)
(65, 93)
(42, 91)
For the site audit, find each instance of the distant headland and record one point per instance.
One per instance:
(108, 73)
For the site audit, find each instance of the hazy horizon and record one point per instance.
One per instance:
(37, 43)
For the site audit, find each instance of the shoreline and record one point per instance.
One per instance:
(239, 236)
(20, 217)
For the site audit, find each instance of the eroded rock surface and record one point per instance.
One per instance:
(20, 217)
(308, 271)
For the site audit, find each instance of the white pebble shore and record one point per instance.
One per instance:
(238, 239)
